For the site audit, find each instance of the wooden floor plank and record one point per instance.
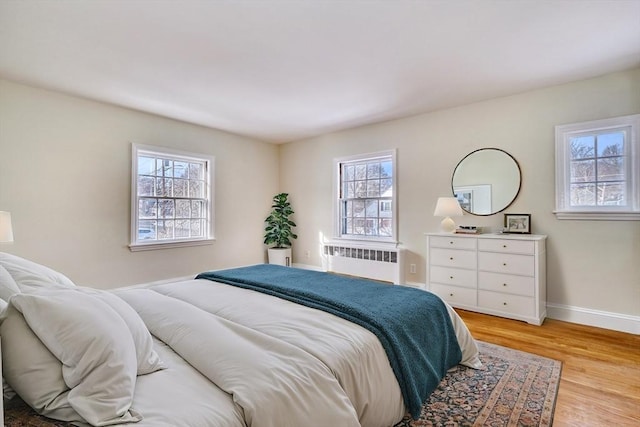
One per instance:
(600, 382)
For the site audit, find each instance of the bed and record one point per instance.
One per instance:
(212, 351)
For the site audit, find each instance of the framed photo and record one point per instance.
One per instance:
(517, 223)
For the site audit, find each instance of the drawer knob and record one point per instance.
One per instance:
(451, 258)
(504, 303)
(504, 263)
(450, 277)
(504, 284)
(504, 246)
(450, 295)
(451, 243)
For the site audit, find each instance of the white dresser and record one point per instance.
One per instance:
(499, 274)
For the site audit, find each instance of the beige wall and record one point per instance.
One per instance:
(591, 264)
(65, 176)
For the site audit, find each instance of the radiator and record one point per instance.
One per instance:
(379, 263)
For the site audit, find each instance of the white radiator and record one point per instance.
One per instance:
(379, 263)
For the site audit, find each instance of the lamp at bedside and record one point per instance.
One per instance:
(448, 207)
(6, 231)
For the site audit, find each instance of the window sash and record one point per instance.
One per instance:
(365, 203)
(171, 198)
(593, 180)
(594, 184)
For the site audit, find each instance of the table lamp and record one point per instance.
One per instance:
(6, 231)
(448, 207)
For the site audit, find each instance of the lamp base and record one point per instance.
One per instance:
(448, 226)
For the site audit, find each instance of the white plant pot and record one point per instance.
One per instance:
(280, 256)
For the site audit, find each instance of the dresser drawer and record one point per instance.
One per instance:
(455, 295)
(453, 276)
(454, 258)
(452, 242)
(507, 246)
(512, 304)
(506, 263)
(498, 274)
(519, 285)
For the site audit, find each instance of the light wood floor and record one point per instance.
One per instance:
(600, 382)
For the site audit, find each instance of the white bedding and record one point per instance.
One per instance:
(233, 357)
(275, 383)
(351, 352)
(354, 355)
(182, 396)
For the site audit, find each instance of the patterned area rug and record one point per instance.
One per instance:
(513, 388)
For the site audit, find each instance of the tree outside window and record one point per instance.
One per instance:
(366, 196)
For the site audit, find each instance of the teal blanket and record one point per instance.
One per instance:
(412, 325)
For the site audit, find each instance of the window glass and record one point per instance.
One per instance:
(597, 169)
(598, 160)
(172, 197)
(366, 196)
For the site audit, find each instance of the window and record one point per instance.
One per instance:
(171, 198)
(366, 207)
(598, 169)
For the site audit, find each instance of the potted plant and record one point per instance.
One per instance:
(278, 230)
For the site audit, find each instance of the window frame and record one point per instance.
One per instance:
(138, 150)
(337, 200)
(563, 133)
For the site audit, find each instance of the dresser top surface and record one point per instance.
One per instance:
(510, 236)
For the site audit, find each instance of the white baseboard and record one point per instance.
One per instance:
(584, 316)
(418, 285)
(601, 319)
(158, 282)
(192, 276)
(307, 266)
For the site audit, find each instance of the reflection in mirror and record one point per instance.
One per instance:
(486, 181)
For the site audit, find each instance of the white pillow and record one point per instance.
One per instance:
(30, 276)
(8, 286)
(148, 359)
(32, 371)
(95, 347)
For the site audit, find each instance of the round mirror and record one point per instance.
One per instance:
(486, 181)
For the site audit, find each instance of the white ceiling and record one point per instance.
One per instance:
(285, 70)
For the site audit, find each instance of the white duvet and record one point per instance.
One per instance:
(219, 356)
(264, 361)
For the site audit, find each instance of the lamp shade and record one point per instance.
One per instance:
(6, 230)
(447, 206)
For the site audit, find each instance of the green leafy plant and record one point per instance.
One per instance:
(278, 230)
